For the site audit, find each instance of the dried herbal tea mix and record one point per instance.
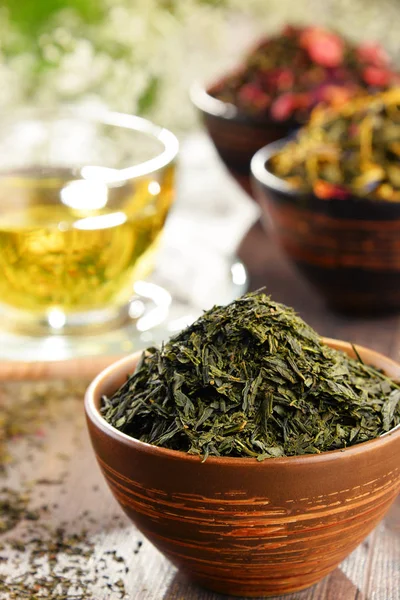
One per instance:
(353, 151)
(285, 76)
(252, 379)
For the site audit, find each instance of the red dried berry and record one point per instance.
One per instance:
(328, 191)
(248, 93)
(340, 193)
(336, 95)
(252, 96)
(283, 107)
(377, 77)
(373, 54)
(277, 80)
(285, 79)
(323, 47)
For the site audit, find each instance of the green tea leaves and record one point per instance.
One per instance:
(251, 379)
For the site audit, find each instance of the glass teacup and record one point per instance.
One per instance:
(83, 200)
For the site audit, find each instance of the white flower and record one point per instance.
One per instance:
(142, 56)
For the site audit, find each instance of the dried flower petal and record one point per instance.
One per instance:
(325, 48)
(251, 95)
(377, 76)
(373, 54)
(283, 107)
(327, 191)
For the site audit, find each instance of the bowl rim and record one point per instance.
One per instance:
(207, 103)
(263, 175)
(116, 119)
(93, 415)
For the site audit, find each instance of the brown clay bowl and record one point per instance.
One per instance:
(236, 136)
(349, 249)
(242, 527)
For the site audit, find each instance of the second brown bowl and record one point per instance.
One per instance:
(236, 137)
(242, 527)
(349, 249)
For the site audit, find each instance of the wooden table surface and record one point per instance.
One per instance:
(80, 497)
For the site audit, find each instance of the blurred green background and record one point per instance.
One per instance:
(140, 56)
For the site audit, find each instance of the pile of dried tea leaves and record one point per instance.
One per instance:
(351, 152)
(252, 379)
(290, 73)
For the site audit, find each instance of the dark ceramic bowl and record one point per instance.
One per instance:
(242, 527)
(236, 136)
(348, 249)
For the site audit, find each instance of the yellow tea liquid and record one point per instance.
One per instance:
(76, 245)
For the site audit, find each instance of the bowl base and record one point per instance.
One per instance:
(245, 589)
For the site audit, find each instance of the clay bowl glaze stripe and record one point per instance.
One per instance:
(236, 136)
(242, 527)
(348, 249)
